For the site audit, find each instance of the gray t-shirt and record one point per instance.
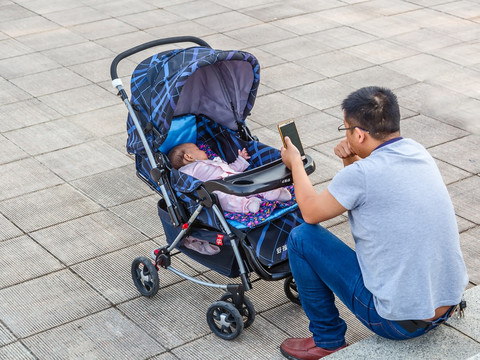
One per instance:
(405, 230)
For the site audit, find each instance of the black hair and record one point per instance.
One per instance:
(373, 108)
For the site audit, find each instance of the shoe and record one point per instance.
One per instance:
(252, 205)
(304, 349)
(281, 194)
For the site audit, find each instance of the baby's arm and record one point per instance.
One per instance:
(241, 163)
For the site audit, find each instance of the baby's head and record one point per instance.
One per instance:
(185, 154)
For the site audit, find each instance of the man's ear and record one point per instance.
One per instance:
(360, 134)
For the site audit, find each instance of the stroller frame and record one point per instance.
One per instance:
(234, 311)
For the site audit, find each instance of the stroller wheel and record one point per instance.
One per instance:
(291, 291)
(224, 320)
(145, 276)
(247, 311)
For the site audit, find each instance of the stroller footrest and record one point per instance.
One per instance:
(263, 178)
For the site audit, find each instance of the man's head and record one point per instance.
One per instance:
(374, 109)
(185, 154)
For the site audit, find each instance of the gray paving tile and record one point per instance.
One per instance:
(34, 176)
(107, 334)
(95, 70)
(259, 341)
(463, 9)
(430, 132)
(466, 197)
(349, 15)
(305, 47)
(49, 136)
(424, 40)
(471, 254)
(121, 7)
(15, 351)
(6, 337)
(79, 53)
(196, 9)
(49, 82)
(47, 302)
(150, 19)
(114, 187)
(103, 29)
(183, 27)
(25, 65)
(321, 94)
(341, 37)
(51, 39)
(441, 343)
(317, 128)
(305, 23)
(45, 7)
(375, 75)
(270, 12)
(277, 107)
(461, 152)
(11, 11)
(327, 166)
(441, 104)
(334, 63)
(111, 276)
(142, 214)
(451, 173)
(260, 34)
(80, 100)
(75, 16)
(11, 48)
(9, 93)
(7, 229)
(289, 75)
(10, 151)
(35, 260)
(13, 116)
(87, 237)
(47, 207)
(228, 21)
(462, 54)
(464, 224)
(103, 122)
(176, 315)
(26, 26)
(380, 52)
(83, 160)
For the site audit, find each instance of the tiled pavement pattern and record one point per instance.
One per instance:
(73, 215)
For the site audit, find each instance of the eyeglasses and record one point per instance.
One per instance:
(342, 127)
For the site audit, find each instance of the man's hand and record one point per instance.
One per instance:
(290, 155)
(345, 152)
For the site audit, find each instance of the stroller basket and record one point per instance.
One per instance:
(203, 96)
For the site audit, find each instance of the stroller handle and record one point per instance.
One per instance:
(139, 48)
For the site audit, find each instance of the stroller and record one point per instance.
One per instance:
(202, 95)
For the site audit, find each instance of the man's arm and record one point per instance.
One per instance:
(315, 207)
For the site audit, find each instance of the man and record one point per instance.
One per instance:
(407, 274)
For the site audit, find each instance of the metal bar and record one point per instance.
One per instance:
(200, 282)
(185, 229)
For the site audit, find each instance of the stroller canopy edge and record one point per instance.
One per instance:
(170, 84)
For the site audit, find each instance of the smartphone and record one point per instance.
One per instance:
(288, 128)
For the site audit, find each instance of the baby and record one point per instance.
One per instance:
(189, 159)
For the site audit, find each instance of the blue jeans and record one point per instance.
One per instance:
(323, 265)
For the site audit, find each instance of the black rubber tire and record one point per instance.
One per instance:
(224, 320)
(247, 310)
(145, 276)
(290, 288)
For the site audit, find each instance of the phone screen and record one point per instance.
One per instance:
(289, 129)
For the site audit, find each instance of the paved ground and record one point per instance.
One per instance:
(73, 215)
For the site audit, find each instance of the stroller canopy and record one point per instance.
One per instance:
(219, 84)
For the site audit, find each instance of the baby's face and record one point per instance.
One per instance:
(196, 153)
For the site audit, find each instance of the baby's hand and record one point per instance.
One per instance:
(243, 153)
